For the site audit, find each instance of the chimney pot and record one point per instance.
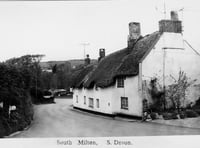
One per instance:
(174, 15)
(173, 25)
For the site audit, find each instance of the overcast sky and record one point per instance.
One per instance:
(57, 29)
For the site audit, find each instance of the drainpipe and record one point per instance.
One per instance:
(164, 85)
(140, 89)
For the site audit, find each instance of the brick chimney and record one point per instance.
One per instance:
(101, 53)
(134, 33)
(173, 25)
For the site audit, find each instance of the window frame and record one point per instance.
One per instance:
(124, 103)
(120, 82)
(76, 98)
(91, 102)
(97, 103)
(84, 99)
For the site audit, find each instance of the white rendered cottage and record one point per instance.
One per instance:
(115, 84)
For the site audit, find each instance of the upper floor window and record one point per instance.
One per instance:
(120, 82)
(91, 102)
(124, 103)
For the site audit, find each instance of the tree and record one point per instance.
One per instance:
(12, 87)
(17, 76)
(60, 77)
(30, 70)
(29, 64)
(176, 92)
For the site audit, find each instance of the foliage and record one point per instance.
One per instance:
(197, 110)
(11, 86)
(169, 116)
(157, 94)
(182, 114)
(60, 78)
(170, 100)
(197, 104)
(153, 115)
(46, 80)
(26, 60)
(29, 65)
(17, 76)
(14, 93)
(176, 92)
(191, 113)
(37, 95)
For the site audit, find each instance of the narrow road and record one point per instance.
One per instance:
(59, 120)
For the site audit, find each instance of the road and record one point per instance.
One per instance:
(59, 120)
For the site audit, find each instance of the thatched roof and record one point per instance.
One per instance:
(81, 74)
(124, 62)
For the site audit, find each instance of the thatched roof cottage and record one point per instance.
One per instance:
(116, 85)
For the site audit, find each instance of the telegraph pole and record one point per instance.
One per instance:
(84, 48)
(165, 10)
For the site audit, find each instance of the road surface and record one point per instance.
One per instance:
(59, 120)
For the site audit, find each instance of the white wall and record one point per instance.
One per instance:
(104, 96)
(178, 56)
(130, 90)
(112, 95)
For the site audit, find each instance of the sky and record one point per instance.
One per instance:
(57, 29)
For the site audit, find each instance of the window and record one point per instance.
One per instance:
(91, 102)
(124, 103)
(120, 82)
(84, 99)
(97, 103)
(76, 98)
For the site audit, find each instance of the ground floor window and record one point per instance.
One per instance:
(124, 103)
(91, 102)
(84, 99)
(76, 98)
(97, 103)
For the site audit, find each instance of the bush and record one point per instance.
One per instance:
(14, 91)
(197, 104)
(197, 110)
(5, 128)
(169, 116)
(153, 116)
(36, 95)
(182, 115)
(2, 129)
(191, 114)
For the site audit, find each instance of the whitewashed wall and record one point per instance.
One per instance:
(130, 90)
(182, 58)
(110, 98)
(104, 96)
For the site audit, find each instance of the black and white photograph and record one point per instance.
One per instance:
(119, 69)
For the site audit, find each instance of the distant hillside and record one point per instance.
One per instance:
(74, 63)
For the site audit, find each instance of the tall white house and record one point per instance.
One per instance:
(116, 85)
